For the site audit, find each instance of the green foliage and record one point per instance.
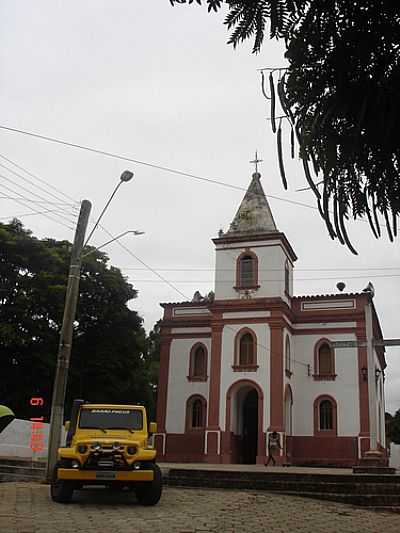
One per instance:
(394, 428)
(340, 95)
(108, 362)
(153, 362)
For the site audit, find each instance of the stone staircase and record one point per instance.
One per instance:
(21, 470)
(378, 492)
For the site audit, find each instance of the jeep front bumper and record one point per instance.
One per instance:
(105, 475)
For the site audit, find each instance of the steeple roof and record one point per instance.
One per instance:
(254, 215)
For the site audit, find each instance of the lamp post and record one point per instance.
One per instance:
(66, 333)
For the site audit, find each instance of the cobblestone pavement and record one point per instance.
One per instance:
(27, 508)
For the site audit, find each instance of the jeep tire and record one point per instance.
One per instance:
(149, 492)
(61, 490)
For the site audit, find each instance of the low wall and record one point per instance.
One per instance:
(322, 451)
(16, 440)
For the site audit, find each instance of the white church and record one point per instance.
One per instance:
(255, 358)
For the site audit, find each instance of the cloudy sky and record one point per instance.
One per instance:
(159, 85)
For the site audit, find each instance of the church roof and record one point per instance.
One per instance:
(254, 215)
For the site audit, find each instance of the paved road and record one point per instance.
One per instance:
(26, 508)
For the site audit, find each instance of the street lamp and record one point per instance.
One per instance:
(134, 231)
(126, 176)
(66, 333)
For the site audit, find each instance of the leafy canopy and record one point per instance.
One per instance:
(340, 94)
(109, 356)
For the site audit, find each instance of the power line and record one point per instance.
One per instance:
(30, 207)
(180, 269)
(11, 217)
(164, 280)
(143, 263)
(151, 165)
(37, 178)
(61, 210)
(274, 279)
(36, 201)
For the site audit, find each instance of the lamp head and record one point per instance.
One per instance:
(127, 175)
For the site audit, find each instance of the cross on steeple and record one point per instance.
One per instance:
(256, 161)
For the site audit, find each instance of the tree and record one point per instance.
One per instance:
(108, 362)
(153, 362)
(339, 97)
(394, 428)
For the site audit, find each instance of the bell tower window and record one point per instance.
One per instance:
(247, 271)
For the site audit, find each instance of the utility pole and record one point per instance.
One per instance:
(64, 347)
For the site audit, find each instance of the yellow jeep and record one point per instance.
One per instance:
(108, 445)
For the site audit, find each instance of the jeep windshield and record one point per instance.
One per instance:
(108, 418)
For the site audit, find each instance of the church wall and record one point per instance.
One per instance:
(380, 404)
(344, 389)
(261, 376)
(179, 387)
(271, 268)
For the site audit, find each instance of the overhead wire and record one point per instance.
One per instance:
(189, 269)
(63, 213)
(151, 165)
(37, 201)
(109, 154)
(275, 279)
(21, 202)
(41, 180)
(27, 214)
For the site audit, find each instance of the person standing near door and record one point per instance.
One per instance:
(274, 444)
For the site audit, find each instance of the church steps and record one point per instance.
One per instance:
(372, 491)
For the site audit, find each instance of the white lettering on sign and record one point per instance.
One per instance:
(111, 411)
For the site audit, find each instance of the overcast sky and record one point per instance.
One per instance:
(159, 85)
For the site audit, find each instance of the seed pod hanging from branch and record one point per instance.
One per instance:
(272, 89)
(368, 211)
(343, 226)
(292, 142)
(263, 86)
(394, 222)
(280, 155)
(336, 219)
(325, 207)
(389, 229)
(378, 229)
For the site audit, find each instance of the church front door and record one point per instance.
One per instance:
(249, 438)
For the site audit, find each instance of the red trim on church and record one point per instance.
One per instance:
(213, 440)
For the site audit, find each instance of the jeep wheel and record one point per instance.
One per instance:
(61, 490)
(149, 492)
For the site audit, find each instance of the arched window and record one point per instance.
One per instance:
(288, 362)
(247, 271)
(288, 410)
(196, 412)
(245, 351)
(198, 363)
(325, 416)
(287, 278)
(324, 361)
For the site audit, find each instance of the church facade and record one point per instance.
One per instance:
(253, 358)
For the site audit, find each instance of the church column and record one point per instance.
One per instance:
(363, 445)
(276, 381)
(162, 393)
(213, 433)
